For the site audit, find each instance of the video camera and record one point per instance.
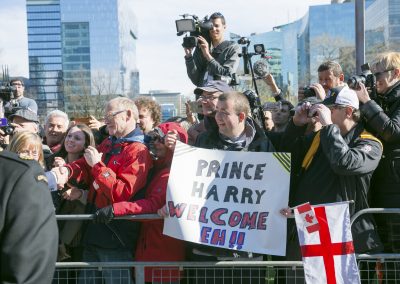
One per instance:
(195, 27)
(8, 103)
(366, 77)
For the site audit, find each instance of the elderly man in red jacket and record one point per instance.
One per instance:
(116, 171)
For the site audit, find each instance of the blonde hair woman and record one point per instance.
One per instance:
(28, 145)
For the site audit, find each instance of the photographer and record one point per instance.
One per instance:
(383, 119)
(212, 61)
(330, 75)
(19, 100)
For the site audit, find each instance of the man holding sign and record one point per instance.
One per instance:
(228, 204)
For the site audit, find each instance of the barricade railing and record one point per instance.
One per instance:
(374, 210)
(373, 267)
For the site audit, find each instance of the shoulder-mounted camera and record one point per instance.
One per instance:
(192, 27)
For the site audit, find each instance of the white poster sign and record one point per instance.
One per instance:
(229, 199)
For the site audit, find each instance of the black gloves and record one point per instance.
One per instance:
(104, 215)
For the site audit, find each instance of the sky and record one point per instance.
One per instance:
(159, 52)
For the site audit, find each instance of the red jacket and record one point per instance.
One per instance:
(152, 244)
(119, 180)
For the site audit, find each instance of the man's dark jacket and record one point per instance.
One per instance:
(28, 228)
(211, 139)
(225, 63)
(341, 170)
(383, 120)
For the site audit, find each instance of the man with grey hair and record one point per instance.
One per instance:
(55, 128)
(115, 172)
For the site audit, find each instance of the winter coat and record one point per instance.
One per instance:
(225, 63)
(340, 170)
(383, 120)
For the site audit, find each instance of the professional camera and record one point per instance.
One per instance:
(309, 92)
(195, 27)
(6, 92)
(366, 77)
(156, 135)
(6, 127)
(257, 112)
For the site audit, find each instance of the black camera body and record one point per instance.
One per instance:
(7, 92)
(156, 135)
(195, 27)
(309, 92)
(366, 77)
(6, 127)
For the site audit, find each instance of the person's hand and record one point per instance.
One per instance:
(170, 139)
(301, 116)
(163, 212)
(59, 162)
(188, 52)
(4, 139)
(62, 175)
(104, 215)
(319, 91)
(17, 127)
(287, 212)
(321, 113)
(270, 81)
(73, 193)
(362, 93)
(92, 156)
(205, 48)
(94, 123)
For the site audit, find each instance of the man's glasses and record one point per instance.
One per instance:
(17, 84)
(111, 115)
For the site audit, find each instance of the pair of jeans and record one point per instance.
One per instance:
(106, 275)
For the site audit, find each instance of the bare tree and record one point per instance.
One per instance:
(335, 48)
(89, 96)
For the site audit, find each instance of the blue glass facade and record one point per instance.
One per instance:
(382, 27)
(45, 54)
(76, 44)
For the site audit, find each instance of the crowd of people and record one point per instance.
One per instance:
(344, 143)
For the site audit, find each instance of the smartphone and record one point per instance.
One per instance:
(82, 120)
(196, 107)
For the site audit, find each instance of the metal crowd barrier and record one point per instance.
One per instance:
(377, 268)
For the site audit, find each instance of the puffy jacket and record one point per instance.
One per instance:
(225, 63)
(120, 175)
(383, 120)
(340, 170)
(152, 244)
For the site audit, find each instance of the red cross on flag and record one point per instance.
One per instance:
(328, 255)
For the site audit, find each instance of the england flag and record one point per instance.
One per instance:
(327, 244)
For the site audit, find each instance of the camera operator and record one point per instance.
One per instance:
(383, 119)
(330, 75)
(19, 100)
(212, 61)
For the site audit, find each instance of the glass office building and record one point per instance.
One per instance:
(382, 27)
(90, 46)
(45, 53)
